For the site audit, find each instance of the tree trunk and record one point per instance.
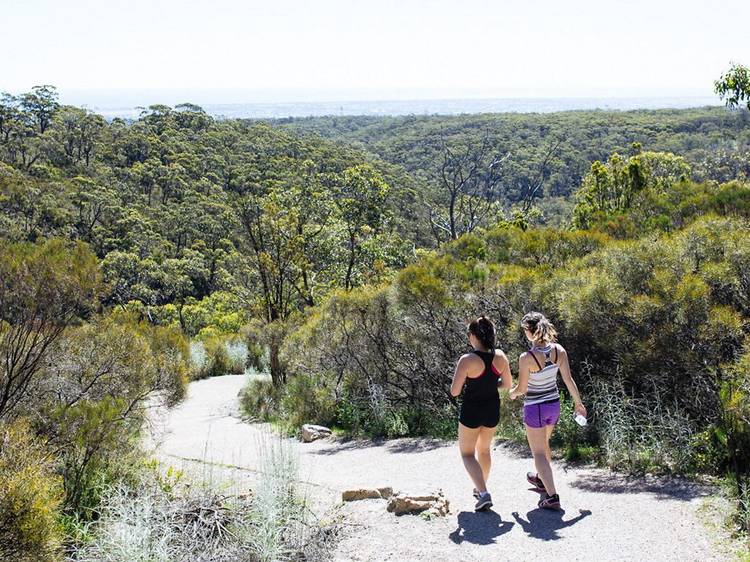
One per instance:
(278, 376)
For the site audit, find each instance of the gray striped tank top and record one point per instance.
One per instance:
(543, 383)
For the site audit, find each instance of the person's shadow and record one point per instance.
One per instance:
(481, 527)
(545, 523)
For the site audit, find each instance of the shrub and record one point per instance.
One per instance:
(308, 399)
(30, 496)
(92, 404)
(163, 519)
(260, 399)
(218, 360)
(642, 435)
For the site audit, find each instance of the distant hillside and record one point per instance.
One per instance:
(706, 137)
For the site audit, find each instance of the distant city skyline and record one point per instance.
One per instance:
(231, 51)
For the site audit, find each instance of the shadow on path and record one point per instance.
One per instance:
(479, 527)
(661, 487)
(545, 523)
(405, 445)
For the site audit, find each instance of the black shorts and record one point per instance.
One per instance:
(485, 413)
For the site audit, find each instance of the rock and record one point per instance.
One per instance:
(434, 504)
(367, 494)
(386, 492)
(361, 494)
(312, 432)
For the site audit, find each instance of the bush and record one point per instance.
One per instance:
(92, 403)
(307, 398)
(218, 360)
(163, 519)
(260, 399)
(30, 496)
(640, 435)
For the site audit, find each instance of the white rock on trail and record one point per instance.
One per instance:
(435, 504)
(367, 494)
(312, 432)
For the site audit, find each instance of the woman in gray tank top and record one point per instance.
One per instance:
(537, 380)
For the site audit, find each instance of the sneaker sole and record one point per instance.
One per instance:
(552, 507)
(536, 484)
(483, 507)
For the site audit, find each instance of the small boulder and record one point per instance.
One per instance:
(367, 494)
(361, 494)
(385, 492)
(435, 504)
(312, 432)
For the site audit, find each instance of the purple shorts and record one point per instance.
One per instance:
(540, 415)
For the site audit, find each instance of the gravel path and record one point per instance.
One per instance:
(606, 517)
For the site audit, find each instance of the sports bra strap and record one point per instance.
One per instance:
(536, 360)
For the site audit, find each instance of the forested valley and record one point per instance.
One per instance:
(345, 255)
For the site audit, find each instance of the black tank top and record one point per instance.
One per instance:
(483, 387)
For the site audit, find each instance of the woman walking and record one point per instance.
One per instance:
(480, 374)
(537, 379)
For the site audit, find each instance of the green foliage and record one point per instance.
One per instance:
(734, 86)
(30, 496)
(611, 189)
(260, 399)
(102, 374)
(308, 399)
(218, 360)
(576, 139)
(45, 287)
(620, 307)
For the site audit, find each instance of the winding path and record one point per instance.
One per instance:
(607, 516)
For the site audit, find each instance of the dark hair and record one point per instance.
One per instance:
(542, 330)
(484, 330)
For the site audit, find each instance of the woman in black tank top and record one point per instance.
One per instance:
(480, 374)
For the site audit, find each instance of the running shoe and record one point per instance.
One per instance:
(550, 502)
(484, 502)
(535, 481)
(475, 493)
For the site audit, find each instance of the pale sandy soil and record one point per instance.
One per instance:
(606, 517)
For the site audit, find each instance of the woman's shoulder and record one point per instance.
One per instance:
(500, 353)
(469, 357)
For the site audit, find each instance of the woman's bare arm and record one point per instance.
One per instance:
(523, 378)
(459, 375)
(506, 377)
(564, 365)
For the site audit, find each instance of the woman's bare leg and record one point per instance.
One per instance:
(548, 452)
(539, 444)
(467, 440)
(484, 443)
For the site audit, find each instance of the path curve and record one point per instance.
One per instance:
(607, 516)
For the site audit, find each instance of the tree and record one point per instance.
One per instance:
(76, 132)
(43, 289)
(359, 194)
(610, 189)
(41, 104)
(469, 177)
(734, 86)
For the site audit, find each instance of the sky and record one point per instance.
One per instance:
(229, 51)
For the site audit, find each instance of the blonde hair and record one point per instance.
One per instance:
(542, 330)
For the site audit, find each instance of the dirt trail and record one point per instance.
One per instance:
(607, 517)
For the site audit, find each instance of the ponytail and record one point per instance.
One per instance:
(541, 329)
(484, 330)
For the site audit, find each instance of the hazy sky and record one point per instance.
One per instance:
(364, 49)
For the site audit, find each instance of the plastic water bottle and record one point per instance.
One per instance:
(580, 420)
